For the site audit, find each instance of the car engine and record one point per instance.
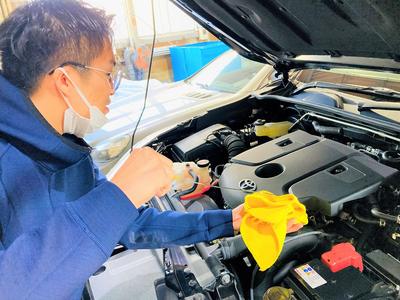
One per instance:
(346, 177)
(324, 174)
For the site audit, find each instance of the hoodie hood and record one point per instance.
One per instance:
(22, 125)
(283, 32)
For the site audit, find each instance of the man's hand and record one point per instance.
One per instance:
(293, 226)
(144, 174)
(238, 213)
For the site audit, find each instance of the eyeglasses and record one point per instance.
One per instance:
(114, 77)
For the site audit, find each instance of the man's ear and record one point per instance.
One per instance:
(62, 82)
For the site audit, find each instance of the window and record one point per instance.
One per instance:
(120, 21)
(170, 20)
(228, 73)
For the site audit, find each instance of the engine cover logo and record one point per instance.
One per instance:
(247, 185)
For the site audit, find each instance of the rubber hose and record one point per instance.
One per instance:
(375, 212)
(326, 129)
(363, 219)
(231, 247)
(283, 271)
(193, 188)
(215, 265)
(305, 241)
(234, 145)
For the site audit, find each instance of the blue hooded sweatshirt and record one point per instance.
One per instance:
(60, 218)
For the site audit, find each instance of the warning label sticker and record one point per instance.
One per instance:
(310, 276)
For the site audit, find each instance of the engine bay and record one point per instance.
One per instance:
(345, 174)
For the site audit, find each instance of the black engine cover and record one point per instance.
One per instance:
(322, 173)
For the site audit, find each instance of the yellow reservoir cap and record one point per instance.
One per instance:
(264, 224)
(273, 130)
(278, 293)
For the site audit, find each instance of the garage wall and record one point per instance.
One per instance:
(4, 9)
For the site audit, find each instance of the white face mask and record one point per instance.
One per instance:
(76, 124)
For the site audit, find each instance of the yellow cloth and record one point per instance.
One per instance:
(264, 224)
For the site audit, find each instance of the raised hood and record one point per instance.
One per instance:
(289, 33)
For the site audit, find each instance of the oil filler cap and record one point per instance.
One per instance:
(342, 256)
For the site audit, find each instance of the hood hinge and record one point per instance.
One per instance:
(283, 67)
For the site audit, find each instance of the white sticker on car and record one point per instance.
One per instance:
(310, 276)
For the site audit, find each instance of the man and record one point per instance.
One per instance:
(60, 218)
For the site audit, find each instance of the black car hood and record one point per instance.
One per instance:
(279, 31)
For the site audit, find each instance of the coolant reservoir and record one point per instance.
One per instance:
(271, 130)
(184, 181)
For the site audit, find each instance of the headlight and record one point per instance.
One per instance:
(110, 149)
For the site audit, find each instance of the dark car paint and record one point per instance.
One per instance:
(277, 31)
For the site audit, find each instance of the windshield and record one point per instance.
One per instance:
(228, 73)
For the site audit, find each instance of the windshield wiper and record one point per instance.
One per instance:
(382, 106)
(202, 85)
(382, 91)
(377, 91)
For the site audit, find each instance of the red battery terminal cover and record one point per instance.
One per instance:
(341, 256)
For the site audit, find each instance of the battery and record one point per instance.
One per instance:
(315, 280)
(385, 265)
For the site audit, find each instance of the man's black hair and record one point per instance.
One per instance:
(43, 34)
